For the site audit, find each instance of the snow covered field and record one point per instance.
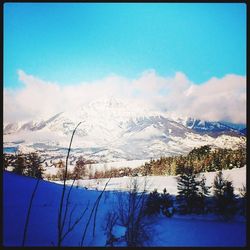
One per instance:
(236, 175)
(206, 230)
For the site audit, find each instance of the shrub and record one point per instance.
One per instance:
(157, 203)
(131, 207)
(153, 203)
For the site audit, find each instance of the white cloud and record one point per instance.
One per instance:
(217, 99)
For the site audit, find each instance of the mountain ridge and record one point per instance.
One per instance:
(121, 130)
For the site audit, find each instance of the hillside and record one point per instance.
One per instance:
(209, 230)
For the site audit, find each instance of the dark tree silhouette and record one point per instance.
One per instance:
(80, 168)
(224, 198)
(203, 194)
(34, 165)
(188, 196)
(19, 164)
(153, 203)
(166, 202)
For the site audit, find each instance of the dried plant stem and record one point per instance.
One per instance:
(60, 224)
(95, 207)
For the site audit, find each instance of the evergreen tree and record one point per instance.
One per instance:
(166, 203)
(172, 167)
(203, 194)
(188, 196)
(225, 202)
(19, 164)
(230, 200)
(219, 184)
(34, 167)
(180, 168)
(153, 203)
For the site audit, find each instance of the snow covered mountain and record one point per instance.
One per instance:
(113, 129)
(211, 128)
(244, 131)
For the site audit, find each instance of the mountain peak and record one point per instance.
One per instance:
(108, 102)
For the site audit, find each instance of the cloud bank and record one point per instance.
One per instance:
(217, 99)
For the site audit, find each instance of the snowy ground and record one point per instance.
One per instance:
(236, 175)
(176, 231)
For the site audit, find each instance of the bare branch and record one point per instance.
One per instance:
(67, 203)
(96, 202)
(60, 224)
(75, 223)
(97, 205)
(70, 216)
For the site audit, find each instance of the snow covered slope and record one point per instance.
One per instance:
(211, 128)
(42, 230)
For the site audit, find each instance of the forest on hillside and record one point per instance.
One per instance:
(202, 159)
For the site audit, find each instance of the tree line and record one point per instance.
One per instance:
(202, 159)
(29, 164)
(195, 197)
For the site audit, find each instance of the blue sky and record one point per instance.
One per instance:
(72, 43)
